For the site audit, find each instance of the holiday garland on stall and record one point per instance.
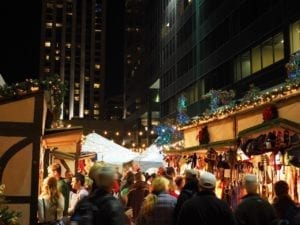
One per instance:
(55, 90)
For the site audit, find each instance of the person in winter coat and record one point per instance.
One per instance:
(254, 210)
(158, 207)
(189, 190)
(113, 212)
(285, 207)
(205, 207)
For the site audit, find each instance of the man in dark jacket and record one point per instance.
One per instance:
(205, 208)
(111, 212)
(253, 210)
(189, 190)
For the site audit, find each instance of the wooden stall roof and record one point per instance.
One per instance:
(279, 122)
(64, 139)
(72, 156)
(218, 145)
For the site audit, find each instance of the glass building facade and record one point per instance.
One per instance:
(217, 44)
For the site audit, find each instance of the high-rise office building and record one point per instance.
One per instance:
(141, 83)
(73, 37)
(217, 44)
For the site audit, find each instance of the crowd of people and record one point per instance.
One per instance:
(163, 198)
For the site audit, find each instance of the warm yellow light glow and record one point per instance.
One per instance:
(97, 66)
(140, 133)
(129, 133)
(117, 133)
(47, 44)
(96, 85)
(49, 24)
(105, 132)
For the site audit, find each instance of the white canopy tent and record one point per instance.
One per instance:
(151, 158)
(107, 150)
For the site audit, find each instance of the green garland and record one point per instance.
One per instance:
(51, 84)
(7, 216)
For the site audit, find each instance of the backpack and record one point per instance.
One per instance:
(86, 210)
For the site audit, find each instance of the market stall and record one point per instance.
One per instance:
(259, 136)
(22, 121)
(151, 158)
(107, 150)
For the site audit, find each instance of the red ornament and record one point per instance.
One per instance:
(270, 113)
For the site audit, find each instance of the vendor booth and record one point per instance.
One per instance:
(63, 145)
(151, 158)
(21, 127)
(106, 150)
(261, 138)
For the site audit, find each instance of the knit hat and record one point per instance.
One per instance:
(207, 180)
(250, 179)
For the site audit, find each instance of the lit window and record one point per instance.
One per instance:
(68, 45)
(97, 66)
(267, 53)
(49, 25)
(47, 44)
(96, 85)
(256, 59)
(57, 58)
(58, 25)
(97, 30)
(50, 5)
(157, 99)
(76, 91)
(86, 112)
(278, 43)
(57, 51)
(76, 98)
(47, 57)
(47, 70)
(295, 36)
(77, 85)
(87, 78)
(245, 63)
(96, 105)
(59, 6)
(96, 112)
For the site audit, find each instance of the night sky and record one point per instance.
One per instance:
(20, 40)
(20, 43)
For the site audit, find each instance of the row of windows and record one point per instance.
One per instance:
(207, 8)
(169, 49)
(187, 30)
(253, 60)
(259, 57)
(168, 77)
(187, 62)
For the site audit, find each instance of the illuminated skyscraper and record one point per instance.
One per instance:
(73, 46)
